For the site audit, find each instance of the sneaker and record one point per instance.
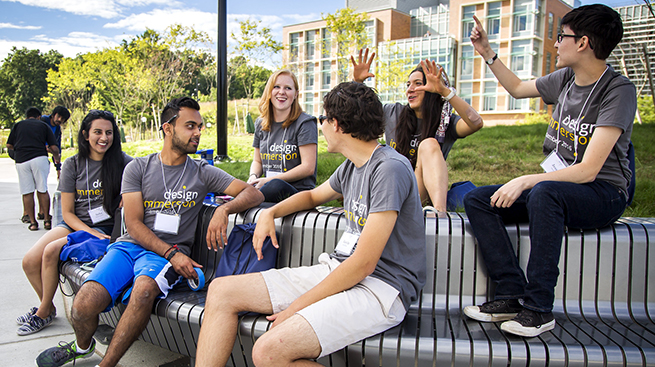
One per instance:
(62, 354)
(492, 311)
(20, 320)
(529, 323)
(35, 324)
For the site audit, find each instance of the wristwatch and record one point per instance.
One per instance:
(491, 60)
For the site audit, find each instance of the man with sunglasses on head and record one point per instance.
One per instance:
(55, 120)
(362, 288)
(586, 172)
(162, 197)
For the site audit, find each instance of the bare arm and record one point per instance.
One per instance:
(435, 84)
(55, 153)
(516, 87)
(600, 147)
(353, 270)
(73, 221)
(304, 169)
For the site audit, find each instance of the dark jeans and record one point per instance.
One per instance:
(548, 207)
(277, 190)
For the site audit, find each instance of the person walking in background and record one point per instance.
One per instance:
(90, 193)
(424, 130)
(586, 172)
(285, 141)
(56, 120)
(31, 141)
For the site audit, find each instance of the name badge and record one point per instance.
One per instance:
(271, 174)
(167, 223)
(98, 215)
(554, 162)
(346, 243)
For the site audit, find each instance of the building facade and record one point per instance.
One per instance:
(523, 33)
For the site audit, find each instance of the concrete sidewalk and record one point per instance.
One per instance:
(18, 296)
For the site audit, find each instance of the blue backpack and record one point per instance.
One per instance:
(83, 247)
(239, 257)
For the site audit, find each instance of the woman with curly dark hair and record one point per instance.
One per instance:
(425, 129)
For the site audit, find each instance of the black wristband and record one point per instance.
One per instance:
(170, 256)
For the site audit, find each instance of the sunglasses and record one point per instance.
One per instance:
(322, 119)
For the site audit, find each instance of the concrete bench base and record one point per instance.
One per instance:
(604, 308)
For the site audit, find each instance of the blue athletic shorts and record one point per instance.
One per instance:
(124, 262)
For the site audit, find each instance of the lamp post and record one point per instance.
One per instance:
(221, 83)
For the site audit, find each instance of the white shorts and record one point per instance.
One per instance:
(33, 174)
(368, 308)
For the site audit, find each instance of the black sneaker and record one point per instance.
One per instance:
(20, 320)
(62, 354)
(529, 323)
(492, 311)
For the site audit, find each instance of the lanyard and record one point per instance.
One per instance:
(578, 120)
(174, 186)
(88, 191)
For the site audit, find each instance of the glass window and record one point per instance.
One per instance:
(548, 56)
(370, 33)
(550, 25)
(466, 91)
(488, 73)
(490, 96)
(326, 74)
(467, 21)
(493, 20)
(518, 104)
(468, 55)
(523, 17)
(536, 57)
(309, 76)
(326, 40)
(309, 103)
(521, 51)
(310, 45)
(293, 46)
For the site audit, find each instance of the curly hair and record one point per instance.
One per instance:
(266, 108)
(600, 23)
(111, 172)
(407, 124)
(358, 110)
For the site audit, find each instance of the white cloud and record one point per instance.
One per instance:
(69, 46)
(159, 19)
(97, 8)
(14, 26)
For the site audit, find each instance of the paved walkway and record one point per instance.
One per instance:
(18, 297)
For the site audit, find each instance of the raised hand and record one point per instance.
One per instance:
(362, 67)
(434, 80)
(480, 41)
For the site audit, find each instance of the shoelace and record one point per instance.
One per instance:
(527, 317)
(66, 352)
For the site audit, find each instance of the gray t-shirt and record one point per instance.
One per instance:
(87, 186)
(385, 183)
(183, 193)
(613, 103)
(392, 113)
(278, 148)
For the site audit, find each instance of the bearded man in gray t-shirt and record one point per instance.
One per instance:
(366, 285)
(162, 196)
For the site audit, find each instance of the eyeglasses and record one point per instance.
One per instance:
(322, 119)
(560, 37)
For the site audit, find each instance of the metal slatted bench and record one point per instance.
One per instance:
(605, 299)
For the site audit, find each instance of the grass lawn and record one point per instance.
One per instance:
(492, 156)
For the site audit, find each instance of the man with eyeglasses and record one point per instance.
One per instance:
(162, 197)
(586, 172)
(362, 288)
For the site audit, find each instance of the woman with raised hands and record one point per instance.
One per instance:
(425, 129)
(90, 186)
(285, 141)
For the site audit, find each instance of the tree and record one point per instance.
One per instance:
(23, 81)
(348, 29)
(391, 73)
(253, 45)
(71, 85)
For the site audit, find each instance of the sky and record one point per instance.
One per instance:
(79, 26)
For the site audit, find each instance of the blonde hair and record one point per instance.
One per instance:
(266, 108)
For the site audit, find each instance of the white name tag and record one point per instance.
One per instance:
(271, 174)
(554, 162)
(98, 215)
(346, 243)
(167, 223)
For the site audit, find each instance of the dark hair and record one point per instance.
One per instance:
(600, 23)
(61, 111)
(358, 110)
(172, 109)
(113, 163)
(33, 112)
(407, 125)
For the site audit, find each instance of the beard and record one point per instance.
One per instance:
(180, 146)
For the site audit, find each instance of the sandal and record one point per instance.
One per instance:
(47, 223)
(25, 218)
(34, 226)
(40, 216)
